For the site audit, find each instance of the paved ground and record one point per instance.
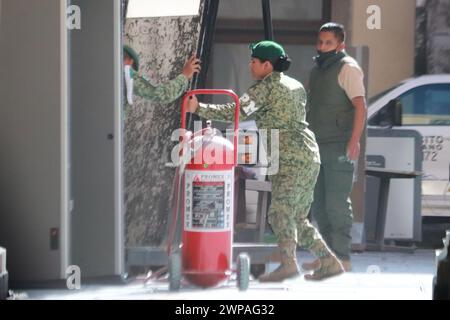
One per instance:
(375, 276)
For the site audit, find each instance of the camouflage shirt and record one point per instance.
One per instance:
(276, 102)
(165, 93)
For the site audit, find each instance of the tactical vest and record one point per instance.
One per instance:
(330, 112)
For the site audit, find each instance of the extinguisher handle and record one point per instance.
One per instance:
(229, 93)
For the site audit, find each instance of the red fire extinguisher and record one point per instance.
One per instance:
(204, 256)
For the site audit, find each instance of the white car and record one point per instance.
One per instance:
(425, 105)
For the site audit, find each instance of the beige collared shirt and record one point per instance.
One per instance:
(351, 80)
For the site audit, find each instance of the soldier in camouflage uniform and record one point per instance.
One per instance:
(140, 86)
(277, 101)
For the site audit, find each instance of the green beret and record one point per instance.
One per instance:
(267, 50)
(133, 55)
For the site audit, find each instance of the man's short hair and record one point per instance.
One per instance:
(336, 28)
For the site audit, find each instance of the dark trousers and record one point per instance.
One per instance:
(332, 208)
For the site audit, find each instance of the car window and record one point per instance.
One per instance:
(426, 105)
(379, 95)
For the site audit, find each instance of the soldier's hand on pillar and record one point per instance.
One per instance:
(191, 66)
(192, 104)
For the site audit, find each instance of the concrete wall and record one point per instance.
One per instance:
(163, 45)
(391, 49)
(438, 36)
(432, 37)
(33, 133)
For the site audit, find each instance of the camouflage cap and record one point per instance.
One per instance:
(267, 50)
(133, 55)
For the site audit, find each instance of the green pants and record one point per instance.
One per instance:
(332, 208)
(292, 195)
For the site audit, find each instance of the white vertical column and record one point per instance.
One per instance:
(64, 74)
(119, 266)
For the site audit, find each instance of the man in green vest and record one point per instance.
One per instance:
(337, 114)
(137, 84)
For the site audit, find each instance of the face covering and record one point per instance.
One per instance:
(129, 83)
(324, 56)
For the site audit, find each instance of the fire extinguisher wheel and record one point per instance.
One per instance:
(243, 271)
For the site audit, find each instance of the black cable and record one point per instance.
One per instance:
(205, 42)
(207, 29)
(267, 18)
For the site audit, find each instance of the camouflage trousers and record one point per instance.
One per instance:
(292, 195)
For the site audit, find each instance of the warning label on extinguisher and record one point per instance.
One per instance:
(208, 200)
(208, 204)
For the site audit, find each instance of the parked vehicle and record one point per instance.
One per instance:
(425, 107)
